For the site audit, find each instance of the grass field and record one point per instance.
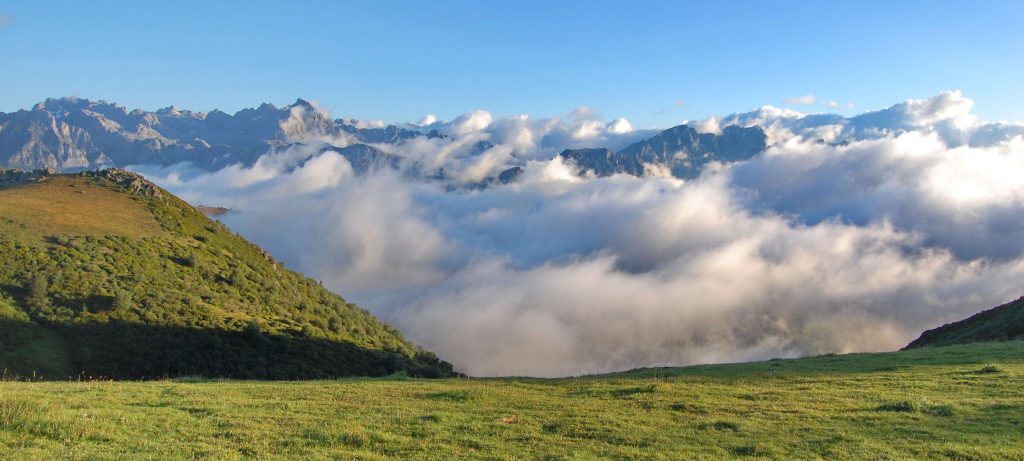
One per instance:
(956, 402)
(66, 205)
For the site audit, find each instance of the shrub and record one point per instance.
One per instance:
(988, 369)
(355, 439)
(648, 389)
(940, 410)
(721, 426)
(122, 300)
(903, 406)
(451, 396)
(744, 450)
(38, 287)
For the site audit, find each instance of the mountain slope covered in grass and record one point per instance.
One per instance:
(1002, 323)
(105, 274)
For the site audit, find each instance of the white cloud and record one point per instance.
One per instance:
(811, 247)
(314, 123)
(473, 121)
(708, 125)
(947, 114)
(832, 104)
(370, 123)
(804, 100)
(427, 120)
(620, 126)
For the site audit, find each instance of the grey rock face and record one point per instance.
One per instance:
(17, 177)
(681, 151)
(510, 174)
(76, 134)
(367, 158)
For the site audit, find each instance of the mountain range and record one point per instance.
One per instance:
(71, 134)
(75, 134)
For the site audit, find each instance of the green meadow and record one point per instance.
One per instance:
(953, 402)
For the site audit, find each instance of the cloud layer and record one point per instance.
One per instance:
(848, 234)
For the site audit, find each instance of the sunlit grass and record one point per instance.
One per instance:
(65, 205)
(959, 402)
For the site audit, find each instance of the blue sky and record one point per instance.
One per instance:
(655, 63)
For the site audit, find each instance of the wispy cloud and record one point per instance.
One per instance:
(804, 100)
(5, 19)
(832, 104)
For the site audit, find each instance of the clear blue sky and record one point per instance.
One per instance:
(400, 60)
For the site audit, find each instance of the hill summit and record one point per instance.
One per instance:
(1001, 323)
(104, 274)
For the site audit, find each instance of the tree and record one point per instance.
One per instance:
(122, 300)
(252, 330)
(38, 287)
(237, 279)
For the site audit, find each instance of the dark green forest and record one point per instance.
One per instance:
(105, 275)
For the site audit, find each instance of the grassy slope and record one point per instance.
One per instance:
(69, 205)
(1000, 323)
(958, 402)
(140, 284)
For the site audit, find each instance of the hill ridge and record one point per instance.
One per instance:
(106, 274)
(1001, 323)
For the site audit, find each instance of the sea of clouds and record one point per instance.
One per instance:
(846, 234)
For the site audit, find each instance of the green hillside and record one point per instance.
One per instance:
(103, 274)
(941, 403)
(1002, 323)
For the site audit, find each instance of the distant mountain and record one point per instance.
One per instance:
(680, 151)
(104, 274)
(946, 114)
(70, 134)
(77, 134)
(1002, 323)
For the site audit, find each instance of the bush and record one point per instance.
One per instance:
(940, 410)
(988, 369)
(190, 260)
(648, 389)
(122, 300)
(38, 288)
(909, 406)
(903, 406)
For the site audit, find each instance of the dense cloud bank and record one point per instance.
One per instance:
(847, 234)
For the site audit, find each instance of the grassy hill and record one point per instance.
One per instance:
(956, 402)
(1002, 323)
(103, 274)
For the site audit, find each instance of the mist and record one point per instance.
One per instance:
(846, 234)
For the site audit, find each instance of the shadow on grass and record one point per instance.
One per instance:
(122, 350)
